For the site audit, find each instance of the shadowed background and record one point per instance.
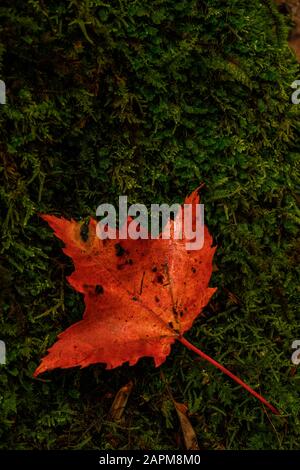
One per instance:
(149, 100)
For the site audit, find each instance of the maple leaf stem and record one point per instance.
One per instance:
(227, 372)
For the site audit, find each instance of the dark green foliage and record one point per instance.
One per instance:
(148, 99)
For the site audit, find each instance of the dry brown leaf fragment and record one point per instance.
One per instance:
(120, 402)
(189, 435)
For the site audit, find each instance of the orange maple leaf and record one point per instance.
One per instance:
(140, 297)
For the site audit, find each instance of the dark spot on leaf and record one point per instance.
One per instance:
(134, 298)
(154, 269)
(84, 232)
(194, 270)
(160, 278)
(156, 298)
(119, 250)
(99, 289)
(170, 324)
(130, 262)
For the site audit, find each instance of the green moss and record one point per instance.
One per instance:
(148, 100)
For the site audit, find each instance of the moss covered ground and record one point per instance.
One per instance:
(148, 99)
